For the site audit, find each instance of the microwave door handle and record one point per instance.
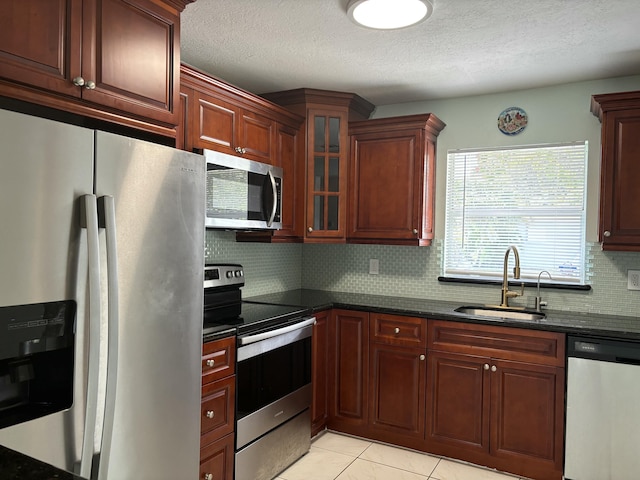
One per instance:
(90, 222)
(274, 191)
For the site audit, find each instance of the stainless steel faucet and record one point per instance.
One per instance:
(506, 293)
(539, 302)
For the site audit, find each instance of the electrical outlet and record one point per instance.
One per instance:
(633, 279)
(374, 266)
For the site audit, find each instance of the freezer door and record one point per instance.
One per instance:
(45, 167)
(158, 198)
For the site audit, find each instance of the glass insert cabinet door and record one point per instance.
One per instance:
(326, 207)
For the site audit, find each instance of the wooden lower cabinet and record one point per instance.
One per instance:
(397, 372)
(378, 386)
(495, 409)
(348, 371)
(216, 459)
(485, 394)
(319, 352)
(217, 415)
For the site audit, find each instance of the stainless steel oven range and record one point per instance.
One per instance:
(273, 374)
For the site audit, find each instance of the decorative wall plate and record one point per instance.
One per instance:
(512, 120)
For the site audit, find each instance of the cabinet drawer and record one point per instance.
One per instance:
(218, 359)
(216, 460)
(217, 410)
(534, 346)
(398, 330)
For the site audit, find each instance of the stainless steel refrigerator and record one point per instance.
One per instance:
(114, 228)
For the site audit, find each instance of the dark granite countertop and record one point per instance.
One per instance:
(619, 327)
(16, 466)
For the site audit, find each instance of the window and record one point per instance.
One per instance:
(532, 197)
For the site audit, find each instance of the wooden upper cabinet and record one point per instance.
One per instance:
(219, 116)
(40, 43)
(227, 119)
(116, 60)
(392, 175)
(326, 156)
(135, 60)
(225, 127)
(619, 113)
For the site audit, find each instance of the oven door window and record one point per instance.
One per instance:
(270, 376)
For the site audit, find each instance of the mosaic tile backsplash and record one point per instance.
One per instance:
(411, 272)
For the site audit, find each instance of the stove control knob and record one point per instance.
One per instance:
(238, 273)
(229, 274)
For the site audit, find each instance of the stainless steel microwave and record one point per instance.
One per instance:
(242, 194)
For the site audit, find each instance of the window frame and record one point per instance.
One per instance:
(491, 271)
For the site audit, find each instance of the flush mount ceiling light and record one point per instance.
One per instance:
(389, 14)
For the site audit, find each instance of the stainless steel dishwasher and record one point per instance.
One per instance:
(603, 410)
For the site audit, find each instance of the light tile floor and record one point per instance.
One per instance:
(340, 457)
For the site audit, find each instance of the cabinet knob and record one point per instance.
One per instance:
(415, 231)
(78, 81)
(310, 229)
(210, 414)
(422, 357)
(486, 366)
(90, 85)
(240, 150)
(211, 363)
(607, 233)
(493, 368)
(396, 330)
(208, 476)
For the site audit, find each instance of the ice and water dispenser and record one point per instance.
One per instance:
(36, 360)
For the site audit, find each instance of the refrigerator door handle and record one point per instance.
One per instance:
(107, 207)
(89, 220)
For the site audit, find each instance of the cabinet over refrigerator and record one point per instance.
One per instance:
(100, 300)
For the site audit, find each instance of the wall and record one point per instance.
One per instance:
(267, 268)
(556, 114)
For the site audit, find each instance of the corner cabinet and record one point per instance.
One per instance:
(495, 397)
(392, 174)
(326, 156)
(114, 60)
(619, 114)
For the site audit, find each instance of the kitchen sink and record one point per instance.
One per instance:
(499, 314)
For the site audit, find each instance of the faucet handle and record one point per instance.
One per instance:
(540, 303)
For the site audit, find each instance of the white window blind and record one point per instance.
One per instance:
(532, 197)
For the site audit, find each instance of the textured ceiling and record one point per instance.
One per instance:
(467, 47)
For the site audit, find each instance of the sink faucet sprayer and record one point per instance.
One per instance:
(539, 302)
(506, 293)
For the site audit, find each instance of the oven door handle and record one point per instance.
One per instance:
(274, 333)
